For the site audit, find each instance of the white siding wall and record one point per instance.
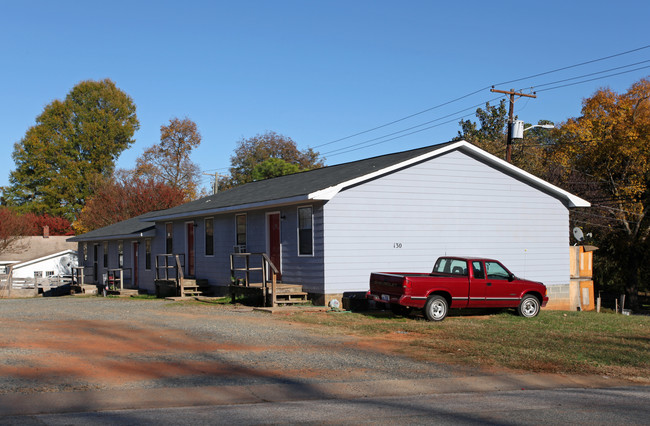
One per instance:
(450, 205)
(60, 265)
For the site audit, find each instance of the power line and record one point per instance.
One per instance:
(403, 118)
(593, 79)
(397, 137)
(482, 89)
(576, 65)
(413, 127)
(594, 73)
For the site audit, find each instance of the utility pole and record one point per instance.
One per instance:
(511, 116)
(215, 188)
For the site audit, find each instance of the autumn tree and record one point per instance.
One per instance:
(125, 196)
(55, 225)
(608, 147)
(252, 152)
(13, 229)
(72, 142)
(169, 161)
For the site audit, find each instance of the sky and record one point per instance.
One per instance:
(318, 72)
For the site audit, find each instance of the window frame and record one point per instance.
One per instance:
(299, 231)
(208, 236)
(169, 238)
(245, 233)
(147, 254)
(120, 254)
(105, 254)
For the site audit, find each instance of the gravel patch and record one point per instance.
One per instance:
(76, 343)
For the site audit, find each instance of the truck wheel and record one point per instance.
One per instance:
(436, 308)
(529, 307)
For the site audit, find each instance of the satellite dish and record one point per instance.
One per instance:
(577, 234)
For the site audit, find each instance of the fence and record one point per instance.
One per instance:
(8, 283)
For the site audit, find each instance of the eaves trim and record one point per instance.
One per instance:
(228, 209)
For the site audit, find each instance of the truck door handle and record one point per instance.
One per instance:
(489, 284)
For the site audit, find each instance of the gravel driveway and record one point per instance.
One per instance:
(73, 344)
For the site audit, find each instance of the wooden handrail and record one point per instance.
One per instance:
(267, 264)
(177, 265)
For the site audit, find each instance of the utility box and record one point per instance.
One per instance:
(517, 129)
(582, 261)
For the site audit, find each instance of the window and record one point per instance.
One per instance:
(85, 250)
(478, 270)
(305, 231)
(446, 265)
(120, 254)
(38, 274)
(169, 233)
(105, 254)
(49, 273)
(147, 254)
(496, 272)
(209, 237)
(241, 229)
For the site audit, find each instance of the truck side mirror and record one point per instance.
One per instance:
(511, 277)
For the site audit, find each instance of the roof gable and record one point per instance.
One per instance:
(326, 182)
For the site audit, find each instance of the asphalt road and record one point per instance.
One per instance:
(629, 406)
(106, 361)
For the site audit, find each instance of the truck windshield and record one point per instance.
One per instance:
(446, 265)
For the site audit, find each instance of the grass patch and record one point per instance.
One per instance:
(553, 342)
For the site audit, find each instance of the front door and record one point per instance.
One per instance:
(136, 249)
(189, 254)
(274, 241)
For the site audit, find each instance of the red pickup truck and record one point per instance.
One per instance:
(458, 282)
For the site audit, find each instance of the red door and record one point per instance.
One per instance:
(136, 249)
(275, 241)
(190, 249)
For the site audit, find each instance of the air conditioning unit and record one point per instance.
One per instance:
(239, 249)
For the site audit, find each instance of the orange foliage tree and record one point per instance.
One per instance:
(124, 197)
(169, 161)
(13, 227)
(609, 144)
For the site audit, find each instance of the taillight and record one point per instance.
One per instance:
(407, 283)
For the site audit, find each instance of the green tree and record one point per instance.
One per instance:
(256, 150)
(274, 167)
(491, 135)
(169, 161)
(72, 142)
(608, 147)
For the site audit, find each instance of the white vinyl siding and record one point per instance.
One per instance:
(449, 205)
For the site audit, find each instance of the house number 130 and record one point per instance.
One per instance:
(397, 245)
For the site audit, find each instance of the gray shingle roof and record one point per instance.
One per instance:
(127, 228)
(295, 185)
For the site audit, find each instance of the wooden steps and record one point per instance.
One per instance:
(286, 294)
(193, 287)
